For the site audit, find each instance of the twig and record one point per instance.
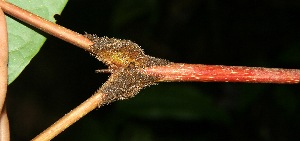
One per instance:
(70, 118)
(174, 72)
(4, 125)
(46, 26)
(219, 73)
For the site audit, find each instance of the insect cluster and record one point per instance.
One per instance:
(125, 60)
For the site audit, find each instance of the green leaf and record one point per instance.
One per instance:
(25, 42)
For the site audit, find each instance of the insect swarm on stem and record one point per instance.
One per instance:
(124, 59)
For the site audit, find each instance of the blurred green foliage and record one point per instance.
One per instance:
(244, 32)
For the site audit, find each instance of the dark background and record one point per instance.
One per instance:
(261, 33)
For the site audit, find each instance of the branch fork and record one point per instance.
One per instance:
(131, 70)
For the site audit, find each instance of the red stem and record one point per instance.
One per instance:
(218, 73)
(174, 72)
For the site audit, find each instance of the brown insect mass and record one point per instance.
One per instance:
(125, 84)
(121, 53)
(125, 60)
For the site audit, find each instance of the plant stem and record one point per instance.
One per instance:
(4, 125)
(46, 26)
(172, 72)
(70, 118)
(219, 73)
